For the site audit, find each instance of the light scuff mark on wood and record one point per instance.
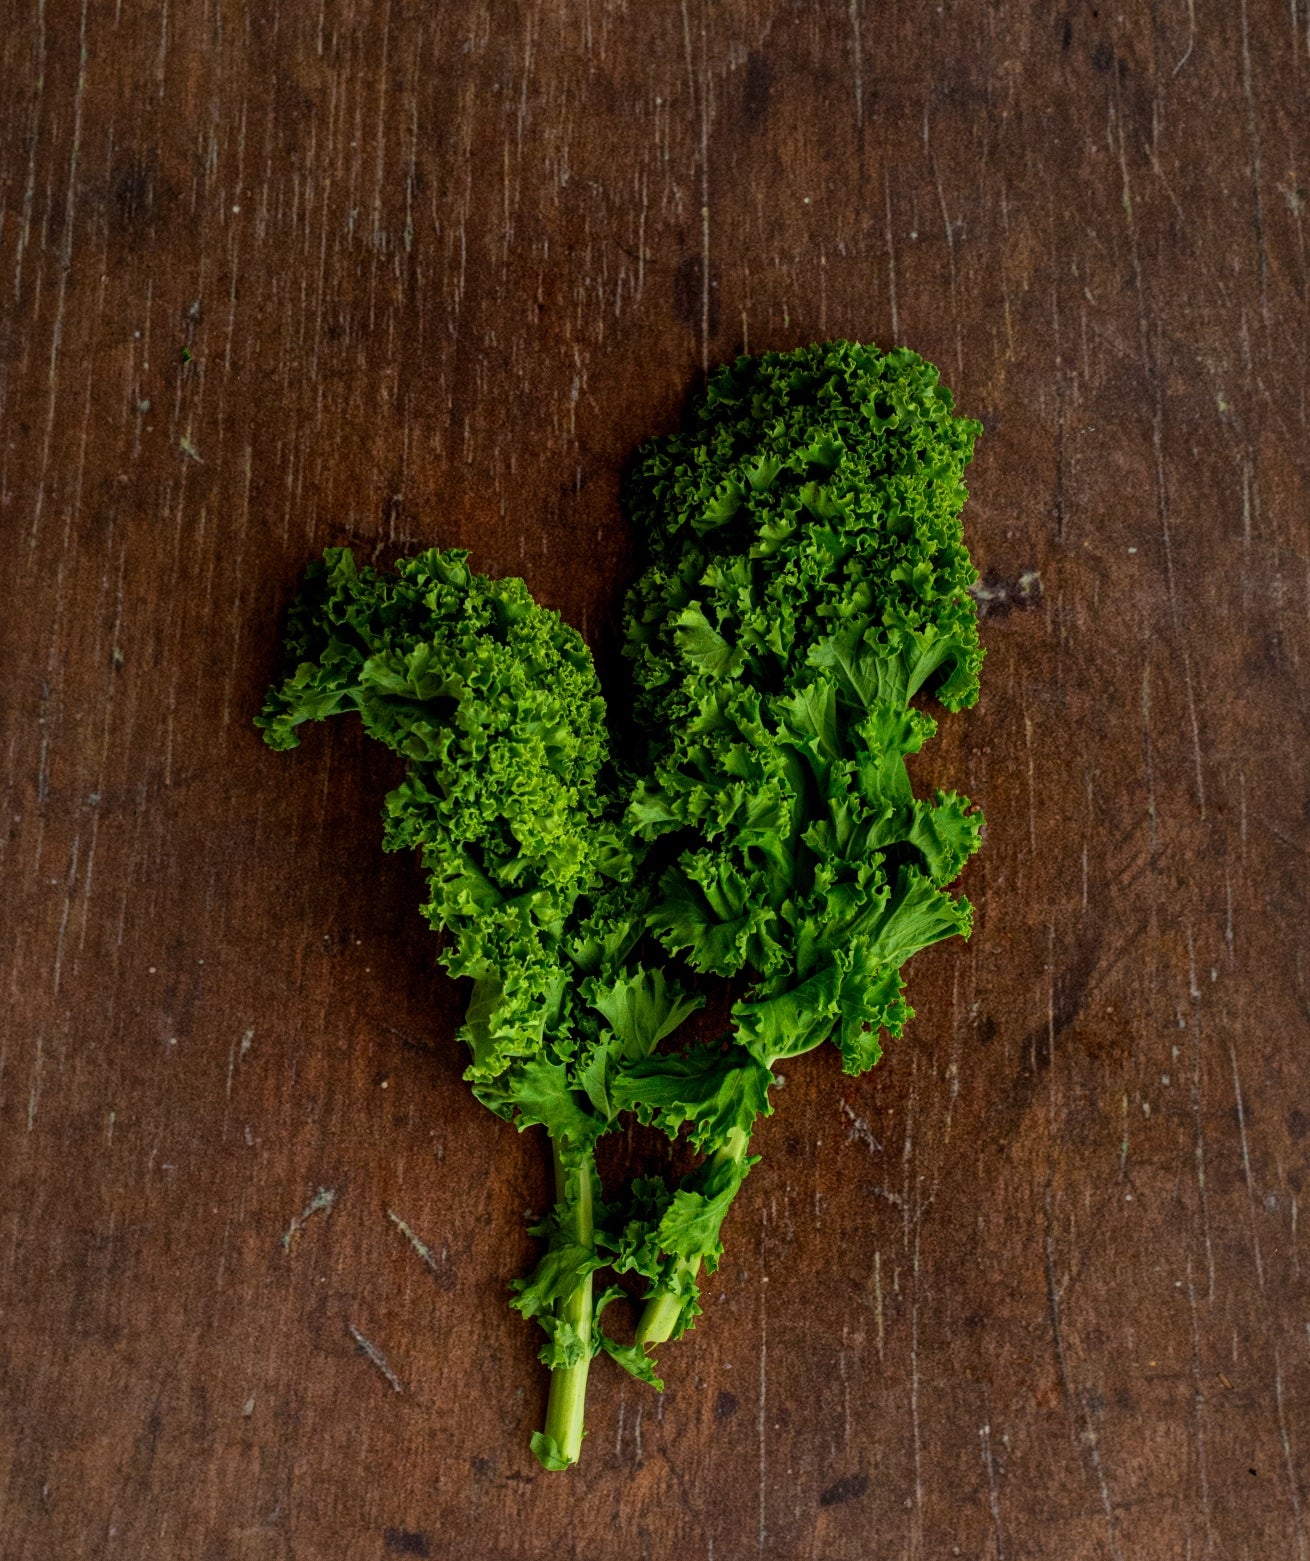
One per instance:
(371, 1353)
(419, 1245)
(323, 1202)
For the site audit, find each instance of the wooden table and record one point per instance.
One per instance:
(278, 276)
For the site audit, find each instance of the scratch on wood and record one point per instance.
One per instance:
(1092, 1443)
(1253, 139)
(1148, 762)
(323, 1202)
(860, 1131)
(70, 880)
(858, 55)
(1053, 1310)
(877, 1301)
(948, 227)
(1198, 1158)
(1152, 367)
(916, 1437)
(912, 1211)
(236, 1056)
(1191, 36)
(891, 257)
(1032, 774)
(845, 1388)
(760, 1427)
(701, 95)
(1198, 1130)
(993, 1497)
(1052, 1030)
(420, 1246)
(33, 143)
(1246, 1164)
(1076, 1406)
(371, 1352)
(34, 1089)
(1198, 1411)
(1289, 1466)
(61, 294)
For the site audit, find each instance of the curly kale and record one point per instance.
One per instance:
(807, 580)
(494, 703)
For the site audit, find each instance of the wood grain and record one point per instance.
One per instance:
(399, 274)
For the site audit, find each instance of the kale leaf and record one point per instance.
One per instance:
(753, 818)
(807, 580)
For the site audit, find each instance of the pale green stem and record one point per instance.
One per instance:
(660, 1315)
(568, 1384)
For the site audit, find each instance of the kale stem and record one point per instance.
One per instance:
(664, 1305)
(660, 1314)
(568, 1384)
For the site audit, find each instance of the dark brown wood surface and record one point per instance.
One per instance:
(401, 274)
